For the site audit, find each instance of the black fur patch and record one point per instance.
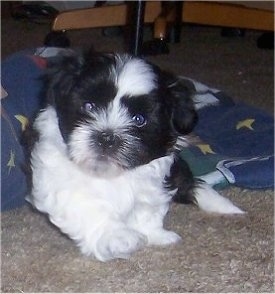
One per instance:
(181, 178)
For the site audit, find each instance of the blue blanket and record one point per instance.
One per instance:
(20, 80)
(238, 142)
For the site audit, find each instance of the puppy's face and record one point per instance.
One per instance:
(117, 112)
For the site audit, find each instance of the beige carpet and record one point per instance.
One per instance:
(217, 253)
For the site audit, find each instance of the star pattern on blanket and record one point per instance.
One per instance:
(247, 123)
(23, 120)
(11, 162)
(205, 149)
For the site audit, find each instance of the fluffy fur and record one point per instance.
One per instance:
(103, 167)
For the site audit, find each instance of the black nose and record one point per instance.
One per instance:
(108, 140)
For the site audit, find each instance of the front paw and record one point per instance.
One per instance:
(163, 237)
(120, 244)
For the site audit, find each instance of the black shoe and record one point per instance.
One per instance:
(37, 11)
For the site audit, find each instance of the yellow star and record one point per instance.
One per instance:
(205, 148)
(11, 162)
(23, 120)
(247, 123)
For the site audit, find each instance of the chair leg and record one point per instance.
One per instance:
(136, 30)
(176, 23)
(167, 28)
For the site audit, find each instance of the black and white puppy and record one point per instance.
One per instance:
(103, 166)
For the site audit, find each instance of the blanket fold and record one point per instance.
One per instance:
(237, 142)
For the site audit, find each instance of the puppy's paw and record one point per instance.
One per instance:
(120, 244)
(163, 237)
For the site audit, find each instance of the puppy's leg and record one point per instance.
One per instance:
(181, 178)
(78, 205)
(210, 200)
(195, 191)
(118, 242)
(152, 201)
(148, 220)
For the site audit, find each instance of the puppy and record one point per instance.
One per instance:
(103, 165)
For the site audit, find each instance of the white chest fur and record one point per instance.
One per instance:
(108, 218)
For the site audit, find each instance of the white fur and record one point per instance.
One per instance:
(135, 76)
(106, 218)
(211, 201)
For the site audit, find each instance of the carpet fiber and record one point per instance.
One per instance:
(217, 253)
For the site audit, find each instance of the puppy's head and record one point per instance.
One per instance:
(117, 112)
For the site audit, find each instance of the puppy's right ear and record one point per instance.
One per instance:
(61, 75)
(183, 115)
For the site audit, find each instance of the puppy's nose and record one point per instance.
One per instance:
(108, 140)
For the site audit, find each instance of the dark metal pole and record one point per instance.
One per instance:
(137, 22)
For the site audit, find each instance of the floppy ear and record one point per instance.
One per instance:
(183, 115)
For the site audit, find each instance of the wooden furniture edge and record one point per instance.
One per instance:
(229, 15)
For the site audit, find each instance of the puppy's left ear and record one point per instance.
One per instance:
(180, 103)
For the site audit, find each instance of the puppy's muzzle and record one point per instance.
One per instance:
(108, 141)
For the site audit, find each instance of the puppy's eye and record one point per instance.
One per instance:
(139, 120)
(88, 106)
